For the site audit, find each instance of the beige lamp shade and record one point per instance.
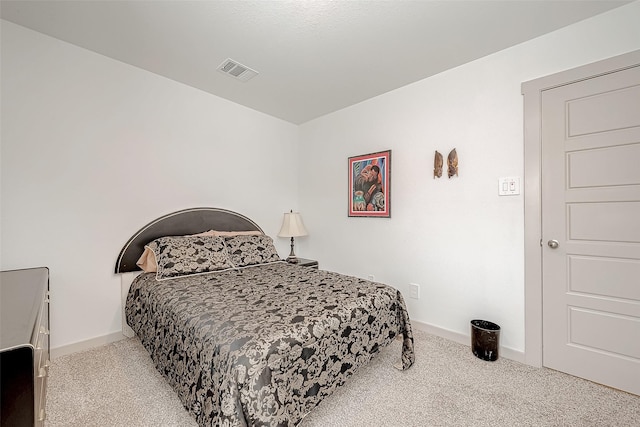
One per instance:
(292, 225)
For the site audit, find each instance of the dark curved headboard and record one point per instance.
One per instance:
(187, 221)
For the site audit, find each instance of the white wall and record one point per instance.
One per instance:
(93, 149)
(455, 237)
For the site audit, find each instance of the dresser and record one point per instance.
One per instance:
(24, 346)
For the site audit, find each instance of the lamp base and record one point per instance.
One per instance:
(292, 256)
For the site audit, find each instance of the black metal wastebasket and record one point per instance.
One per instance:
(485, 339)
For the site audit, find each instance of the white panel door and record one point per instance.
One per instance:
(591, 229)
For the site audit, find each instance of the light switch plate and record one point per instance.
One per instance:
(509, 186)
(414, 291)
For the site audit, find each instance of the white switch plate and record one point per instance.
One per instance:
(509, 186)
(414, 291)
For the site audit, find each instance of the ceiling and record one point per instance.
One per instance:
(313, 57)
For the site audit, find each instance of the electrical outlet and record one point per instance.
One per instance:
(414, 291)
(371, 277)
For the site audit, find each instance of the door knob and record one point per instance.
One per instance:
(553, 244)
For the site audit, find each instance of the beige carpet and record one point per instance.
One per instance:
(117, 385)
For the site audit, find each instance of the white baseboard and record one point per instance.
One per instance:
(506, 352)
(85, 345)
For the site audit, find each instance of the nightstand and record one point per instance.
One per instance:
(307, 262)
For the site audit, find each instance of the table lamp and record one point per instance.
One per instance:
(292, 226)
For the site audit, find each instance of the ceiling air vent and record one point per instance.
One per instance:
(237, 70)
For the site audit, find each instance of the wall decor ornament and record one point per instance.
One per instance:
(370, 185)
(452, 161)
(437, 165)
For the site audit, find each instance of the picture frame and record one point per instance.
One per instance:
(370, 185)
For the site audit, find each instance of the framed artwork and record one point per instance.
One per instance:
(370, 185)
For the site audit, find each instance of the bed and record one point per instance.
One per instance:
(255, 341)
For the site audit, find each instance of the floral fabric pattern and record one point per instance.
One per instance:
(251, 250)
(188, 255)
(263, 346)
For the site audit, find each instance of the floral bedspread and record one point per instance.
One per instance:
(262, 346)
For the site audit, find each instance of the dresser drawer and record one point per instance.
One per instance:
(41, 400)
(42, 342)
(42, 363)
(24, 346)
